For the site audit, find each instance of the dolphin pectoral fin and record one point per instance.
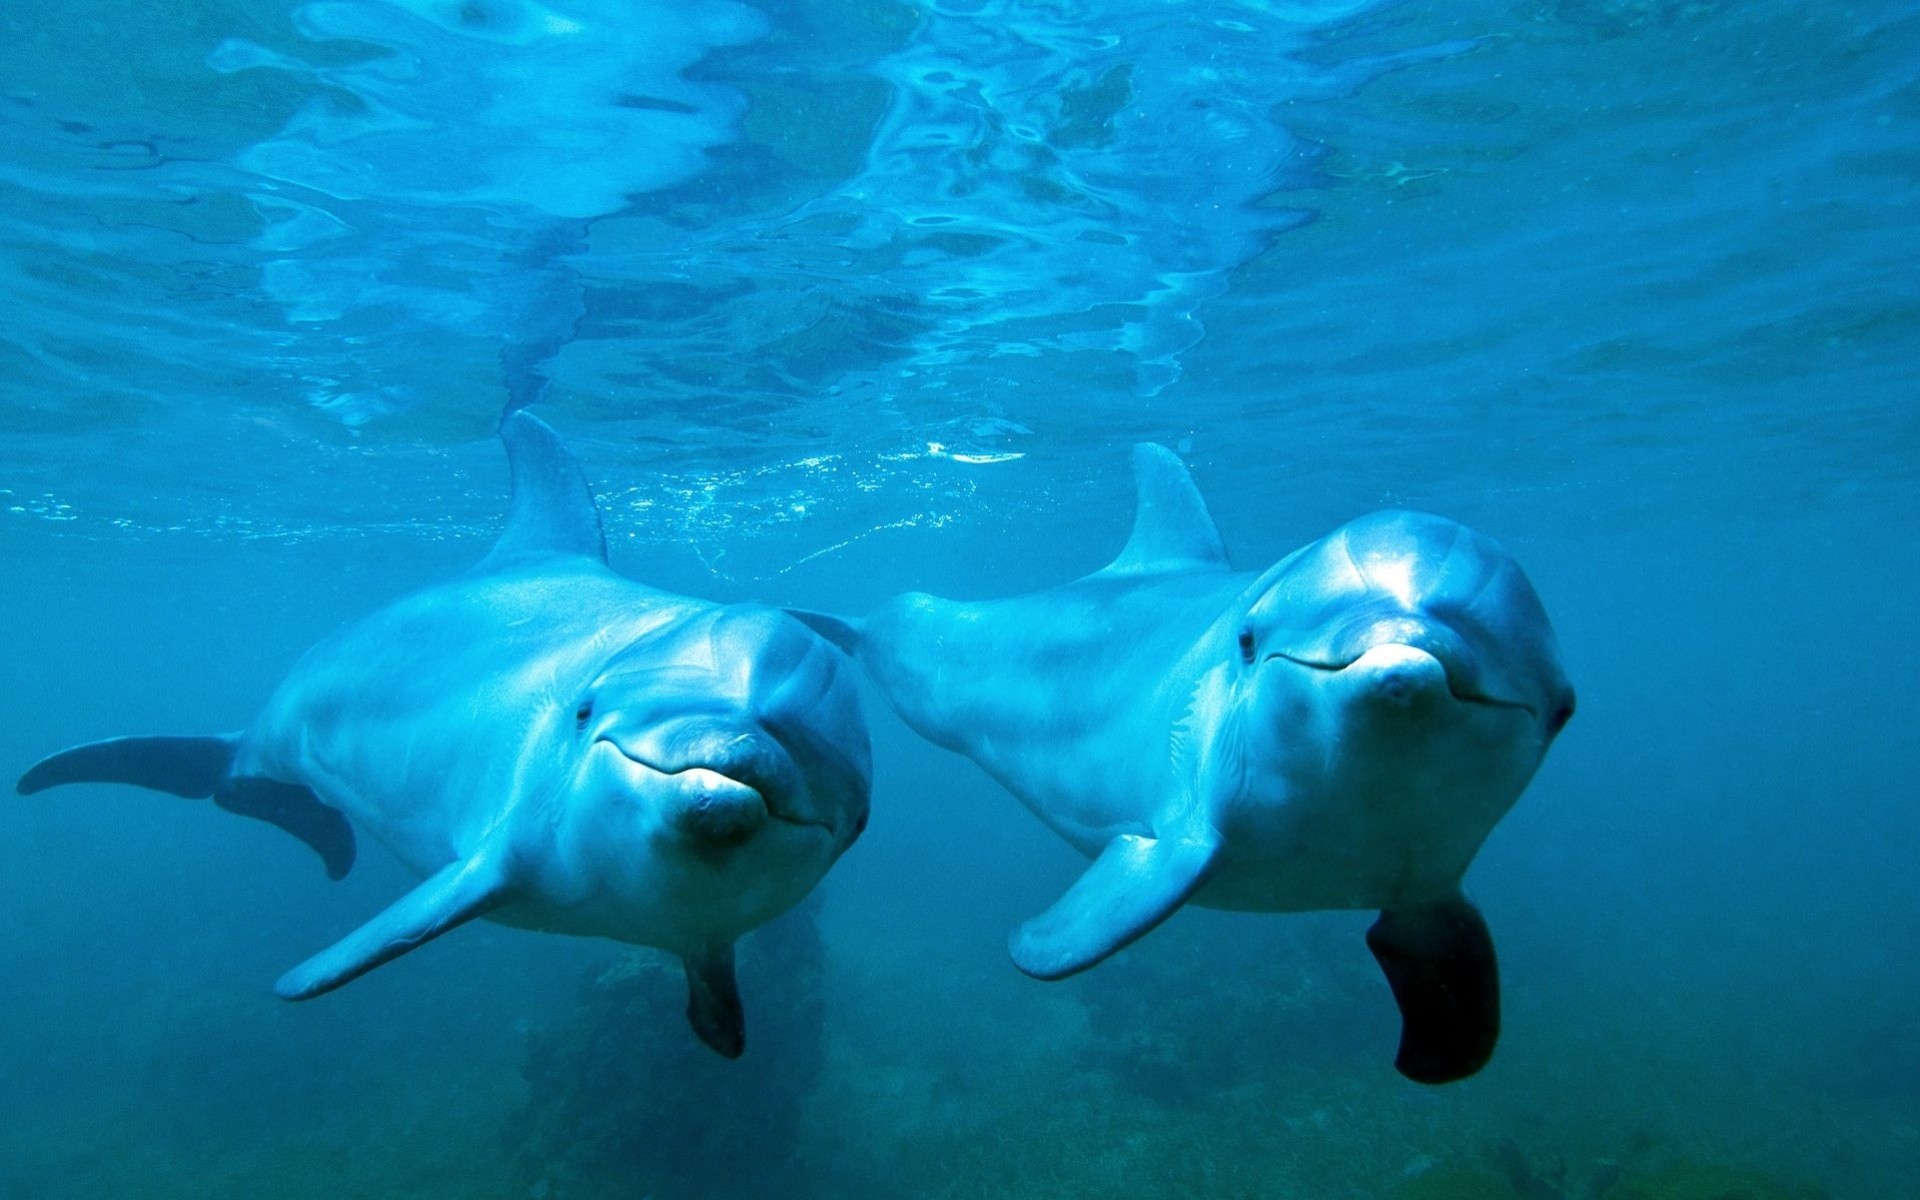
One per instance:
(1172, 529)
(451, 896)
(713, 1001)
(299, 812)
(551, 511)
(1135, 884)
(1439, 960)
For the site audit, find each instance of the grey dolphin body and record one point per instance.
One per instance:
(1342, 731)
(551, 746)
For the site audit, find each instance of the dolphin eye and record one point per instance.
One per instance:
(1560, 717)
(582, 715)
(1246, 646)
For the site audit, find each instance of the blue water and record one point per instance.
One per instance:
(839, 300)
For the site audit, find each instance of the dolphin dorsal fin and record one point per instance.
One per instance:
(552, 510)
(1171, 526)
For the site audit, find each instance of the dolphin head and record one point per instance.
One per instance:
(1413, 610)
(724, 759)
(1403, 664)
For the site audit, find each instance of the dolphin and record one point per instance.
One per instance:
(551, 746)
(1341, 731)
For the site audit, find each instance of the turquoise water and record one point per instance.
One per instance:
(840, 300)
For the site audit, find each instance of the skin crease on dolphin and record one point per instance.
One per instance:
(1339, 732)
(551, 746)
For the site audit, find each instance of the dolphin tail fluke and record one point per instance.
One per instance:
(1439, 960)
(296, 810)
(1135, 884)
(713, 1001)
(199, 768)
(450, 897)
(193, 767)
(844, 632)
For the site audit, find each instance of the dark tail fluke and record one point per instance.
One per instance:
(193, 767)
(297, 810)
(841, 631)
(199, 768)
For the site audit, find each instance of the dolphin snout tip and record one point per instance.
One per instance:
(1400, 675)
(717, 810)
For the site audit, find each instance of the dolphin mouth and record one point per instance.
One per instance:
(1460, 690)
(698, 770)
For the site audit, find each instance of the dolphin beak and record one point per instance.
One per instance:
(1404, 656)
(714, 810)
(1399, 676)
(706, 806)
(727, 783)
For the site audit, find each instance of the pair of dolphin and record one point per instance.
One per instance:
(554, 747)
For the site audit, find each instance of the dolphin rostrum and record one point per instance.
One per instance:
(1340, 732)
(550, 746)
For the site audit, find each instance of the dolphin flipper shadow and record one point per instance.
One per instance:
(713, 1001)
(1439, 960)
